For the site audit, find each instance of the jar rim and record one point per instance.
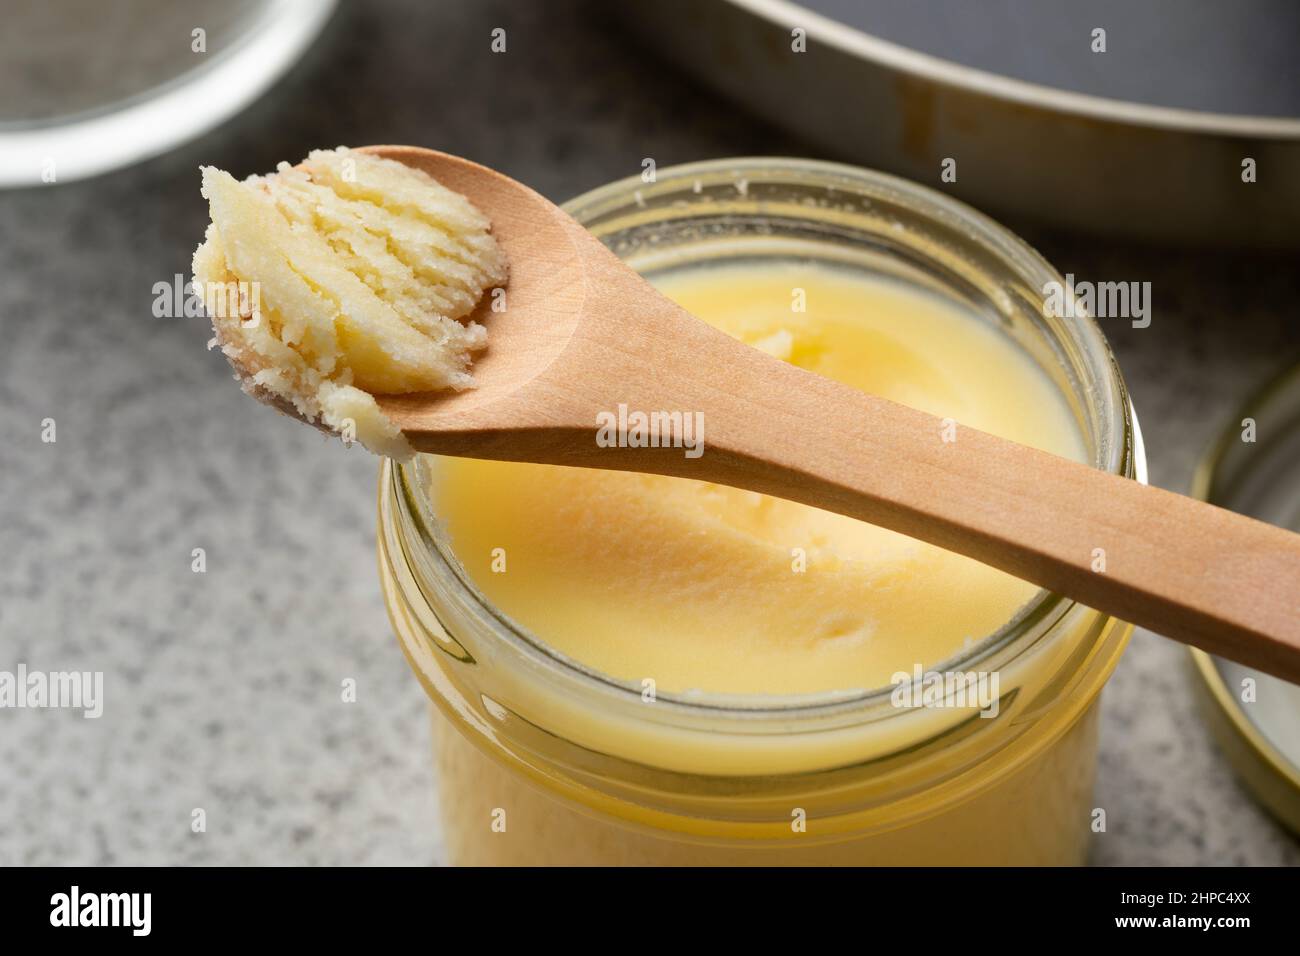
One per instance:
(1120, 440)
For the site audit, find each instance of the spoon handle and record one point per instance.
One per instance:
(1183, 568)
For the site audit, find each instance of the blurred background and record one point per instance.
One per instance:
(222, 688)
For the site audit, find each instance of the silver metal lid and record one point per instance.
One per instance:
(1254, 469)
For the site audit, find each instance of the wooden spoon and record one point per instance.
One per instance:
(583, 333)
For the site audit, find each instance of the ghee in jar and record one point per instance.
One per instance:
(702, 587)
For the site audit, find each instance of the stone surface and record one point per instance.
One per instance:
(223, 688)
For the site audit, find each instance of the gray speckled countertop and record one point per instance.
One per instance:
(222, 688)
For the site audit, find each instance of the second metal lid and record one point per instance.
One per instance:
(1254, 469)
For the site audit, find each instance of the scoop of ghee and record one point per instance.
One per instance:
(344, 277)
(698, 586)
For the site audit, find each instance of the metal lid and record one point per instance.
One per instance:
(1254, 469)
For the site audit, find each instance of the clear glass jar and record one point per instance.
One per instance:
(541, 760)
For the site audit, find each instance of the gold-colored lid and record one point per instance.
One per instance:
(1254, 468)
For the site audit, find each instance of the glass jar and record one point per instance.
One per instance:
(541, 760)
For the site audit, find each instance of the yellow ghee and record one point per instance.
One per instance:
(702, 587)
(346, 276)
